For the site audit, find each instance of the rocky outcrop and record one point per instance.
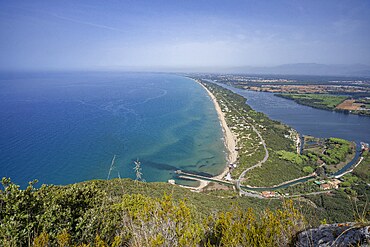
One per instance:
(345, 234)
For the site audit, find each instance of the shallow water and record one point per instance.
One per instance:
(63, 128)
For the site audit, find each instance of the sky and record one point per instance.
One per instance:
(173, 34)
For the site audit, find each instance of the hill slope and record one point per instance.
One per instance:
(127, 213)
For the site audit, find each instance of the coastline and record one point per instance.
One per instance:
(230, 143)
(229, 140)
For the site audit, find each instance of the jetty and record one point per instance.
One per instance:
(197, 177)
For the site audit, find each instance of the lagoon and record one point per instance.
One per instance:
(307, 120)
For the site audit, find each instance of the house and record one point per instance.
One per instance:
(335, 183)
(364, 146)
(332, 184)
(268, 194)
(325, 186)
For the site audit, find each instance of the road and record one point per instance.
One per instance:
(259, 164)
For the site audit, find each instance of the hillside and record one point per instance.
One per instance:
(130, 213)
(123, 212)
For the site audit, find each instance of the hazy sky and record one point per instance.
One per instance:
(107, 34)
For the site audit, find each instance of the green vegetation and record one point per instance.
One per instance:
(245, 228)
(322, 101)
(302, 188)
(308, 169)
(349, 180)
(337, 151)
(122, 212)
(284, 163)
(364, 106)
(328, 102)
(351, 201)
(333, 152)
(348, 203)
(240, 118)
(365, 102)
(353, 193)
(363, 169)
(127, 213)
(292, 157)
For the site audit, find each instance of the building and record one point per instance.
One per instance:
(332, 184)
(268, 194)
(325, 186)
(171, 181)
(364, 146)
(228, 177)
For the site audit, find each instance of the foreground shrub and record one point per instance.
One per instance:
(246, 228)
(84, 215)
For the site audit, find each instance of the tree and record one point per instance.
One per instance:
(308, 169)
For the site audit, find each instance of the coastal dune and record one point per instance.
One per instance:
(229, 139)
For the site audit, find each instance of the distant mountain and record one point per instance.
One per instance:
(308, 69)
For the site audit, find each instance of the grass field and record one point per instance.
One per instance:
(322, 101)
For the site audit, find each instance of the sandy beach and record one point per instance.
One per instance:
(229, 139)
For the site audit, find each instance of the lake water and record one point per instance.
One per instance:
(307, 120)
(62, 128)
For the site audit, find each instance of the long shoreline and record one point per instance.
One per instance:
(229, 140)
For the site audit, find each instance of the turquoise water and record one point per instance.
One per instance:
(62, 128)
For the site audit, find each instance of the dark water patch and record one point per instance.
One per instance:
(204, 174)
(156, 165)
(189, 166)
(205, 161)
(208, 164)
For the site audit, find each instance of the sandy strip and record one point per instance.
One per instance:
(229, 139)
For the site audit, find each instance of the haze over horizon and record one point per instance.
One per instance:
(60, 35)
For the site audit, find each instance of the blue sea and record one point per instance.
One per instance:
(63, 128)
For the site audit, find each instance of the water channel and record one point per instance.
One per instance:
(308, 121)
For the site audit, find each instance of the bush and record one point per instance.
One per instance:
(84, 215)
(245, 228)
(292, 157)
(308, 169)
